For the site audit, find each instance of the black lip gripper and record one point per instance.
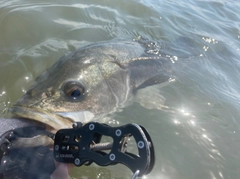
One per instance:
(82, 145)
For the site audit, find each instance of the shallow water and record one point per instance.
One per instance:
(196, 131)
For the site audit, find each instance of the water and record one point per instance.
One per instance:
(196, 134)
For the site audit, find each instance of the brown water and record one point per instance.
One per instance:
(196, 134)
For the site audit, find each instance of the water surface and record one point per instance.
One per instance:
(195, 123)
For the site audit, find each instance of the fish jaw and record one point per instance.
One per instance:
(53, 121)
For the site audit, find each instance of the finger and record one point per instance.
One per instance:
(61, 172)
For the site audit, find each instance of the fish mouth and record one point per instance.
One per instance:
(53, 120)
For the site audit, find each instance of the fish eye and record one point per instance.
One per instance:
(74, 89)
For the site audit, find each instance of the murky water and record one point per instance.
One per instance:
(196, 131)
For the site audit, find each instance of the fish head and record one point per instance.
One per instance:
(79, 87)
(91, 82)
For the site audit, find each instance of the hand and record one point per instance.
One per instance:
(61, 171)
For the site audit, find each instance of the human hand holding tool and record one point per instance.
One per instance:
(78, 145)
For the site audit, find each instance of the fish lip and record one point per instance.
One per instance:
(54, 121)
(77, 116)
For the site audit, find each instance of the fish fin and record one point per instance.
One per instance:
(153, 81)
(151, 98)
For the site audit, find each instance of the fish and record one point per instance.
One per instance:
(93, 81)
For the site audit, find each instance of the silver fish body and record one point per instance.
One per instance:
(92, 81)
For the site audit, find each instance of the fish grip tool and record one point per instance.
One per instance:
(82, 145)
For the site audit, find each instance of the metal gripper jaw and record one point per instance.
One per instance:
(82, 145)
